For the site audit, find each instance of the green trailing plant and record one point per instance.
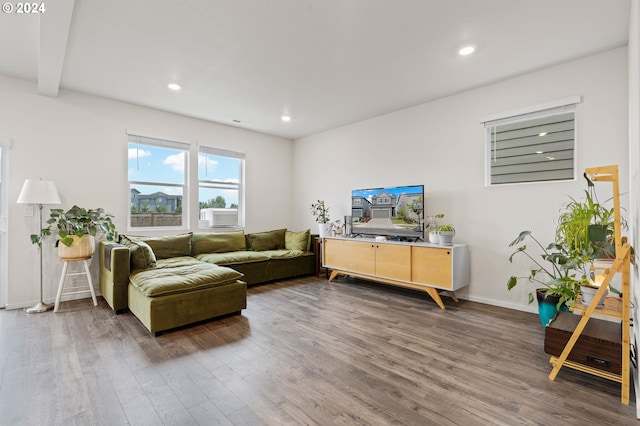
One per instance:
(77, 221)
(557, 268)
(320, 211)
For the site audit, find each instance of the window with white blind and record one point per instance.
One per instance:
(533, 146)
(158, 186)
(220, 187)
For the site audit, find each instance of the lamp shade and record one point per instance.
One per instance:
(39, 192)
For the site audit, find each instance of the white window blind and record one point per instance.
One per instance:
(533, 147)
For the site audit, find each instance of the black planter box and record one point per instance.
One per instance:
(599, 346)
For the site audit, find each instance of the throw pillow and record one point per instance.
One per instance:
(218, 243)
(141, 254)
(297, 240)
(169, 246)
(270, 240)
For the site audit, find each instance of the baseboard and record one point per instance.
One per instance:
(532, 308)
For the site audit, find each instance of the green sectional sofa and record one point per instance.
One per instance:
(176, 280)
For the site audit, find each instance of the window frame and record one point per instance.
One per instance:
(221, 184)
(140, 139)
(528, 114)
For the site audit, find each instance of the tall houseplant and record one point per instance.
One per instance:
(77, 226)
(559, 272)
(587, 228)
(321, 214)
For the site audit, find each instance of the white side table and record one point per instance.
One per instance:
(76, 289)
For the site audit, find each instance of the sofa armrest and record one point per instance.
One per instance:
(114, 274)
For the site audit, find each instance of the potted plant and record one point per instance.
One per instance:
(77, 228)
(446, 234)
(587, 228)
(433, 222)
(321, 213)
(560, 274)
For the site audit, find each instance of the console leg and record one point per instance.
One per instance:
(452, 294)
(435, 295)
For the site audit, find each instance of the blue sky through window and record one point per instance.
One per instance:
(162, 165)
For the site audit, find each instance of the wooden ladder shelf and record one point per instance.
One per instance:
(622, 265)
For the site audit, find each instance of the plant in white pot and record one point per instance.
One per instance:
(321, 213)
(77, 228)
(446, 234)
(433, 222)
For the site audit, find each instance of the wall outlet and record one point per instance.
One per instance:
(29, 211)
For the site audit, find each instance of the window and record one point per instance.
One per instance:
(220, 191)
(534, 146)
(157, 182)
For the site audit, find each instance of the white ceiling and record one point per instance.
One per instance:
(326, 63)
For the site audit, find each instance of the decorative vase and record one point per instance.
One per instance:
(446, 237)
(324, 230)
(82, 247)
(433, 237)
(548, 306)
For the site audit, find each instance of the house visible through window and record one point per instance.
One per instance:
(157, 183)
(220, 192)
(532, 147)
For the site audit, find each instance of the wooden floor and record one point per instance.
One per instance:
(304, 352)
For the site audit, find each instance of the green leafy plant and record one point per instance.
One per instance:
(560, 270)
(77, 221)
(320, 211)
(433, 222)
(580, 222)
(446, 228)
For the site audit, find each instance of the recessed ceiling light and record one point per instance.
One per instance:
(285, 118)
(467, 50)
(542, 134)
(539, 152)
(174, 86)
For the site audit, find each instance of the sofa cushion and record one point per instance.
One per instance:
(282, 254)
(297, 240)
(218, 243)
(169, 246)
(140, 253)
(179, 275)
(270, 240)
(232, 257)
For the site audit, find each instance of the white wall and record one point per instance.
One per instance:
(634, 165)
(441, 144)
(79, 142)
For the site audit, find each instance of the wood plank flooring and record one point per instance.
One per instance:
(304, 352)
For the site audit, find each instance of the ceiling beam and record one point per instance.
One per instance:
(54, 34)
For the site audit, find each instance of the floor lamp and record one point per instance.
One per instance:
(39, 192)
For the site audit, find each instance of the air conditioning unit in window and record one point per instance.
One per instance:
(212, 217)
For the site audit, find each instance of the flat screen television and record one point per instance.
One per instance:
(396, 212)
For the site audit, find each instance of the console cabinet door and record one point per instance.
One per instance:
(393, 261)
(355, 256)
(431, 266)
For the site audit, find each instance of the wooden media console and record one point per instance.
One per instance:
(423, 266)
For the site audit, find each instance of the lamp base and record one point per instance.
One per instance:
(39, 308)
